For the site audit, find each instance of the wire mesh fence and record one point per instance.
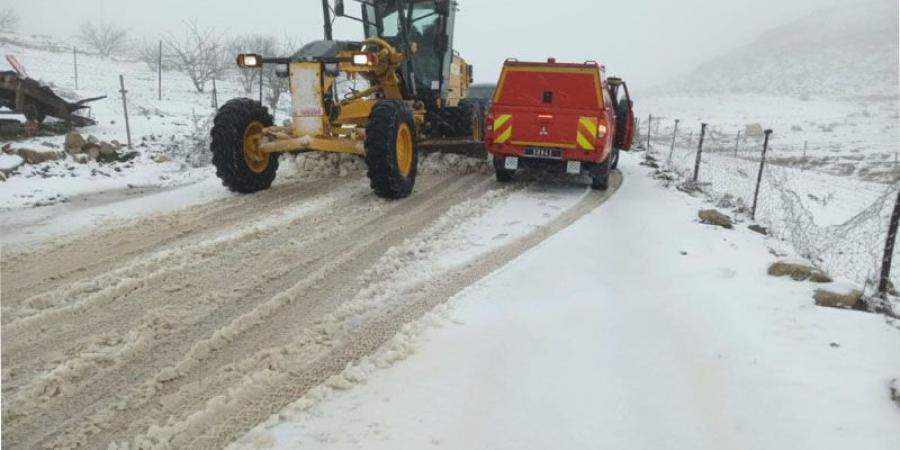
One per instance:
(838, 222)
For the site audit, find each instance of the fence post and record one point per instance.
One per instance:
(260, 85)
(75, 63)
(762, 165)
(125, 108)
(699, 152)
(672, 149)
(737, 143)
(884, 282)
(159, 72)
(649, 130)
(215, 95)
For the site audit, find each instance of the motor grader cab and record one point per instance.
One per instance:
(414, 95)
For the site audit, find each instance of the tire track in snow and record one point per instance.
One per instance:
(365, 210)
(91, 253)
(193, 370)
(326, 353)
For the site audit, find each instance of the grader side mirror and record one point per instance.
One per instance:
(339, 8)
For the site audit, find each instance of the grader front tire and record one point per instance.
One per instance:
(239, 162)
(392, 154)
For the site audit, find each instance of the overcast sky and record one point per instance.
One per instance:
(644, 41)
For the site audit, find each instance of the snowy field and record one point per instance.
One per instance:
(636, 327)
(847, 137)
(169, 135)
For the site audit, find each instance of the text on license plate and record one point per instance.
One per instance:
(537, 152)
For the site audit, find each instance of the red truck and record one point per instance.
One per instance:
(559, 117)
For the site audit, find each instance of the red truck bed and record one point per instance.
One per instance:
(555, 116)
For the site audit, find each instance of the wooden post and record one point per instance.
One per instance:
(159, 72)
(672, 148)
(75, 63)
(649, 124)
(260, 85)
(737, 143)
(125, 108)
(699, 152)
(762, 165)
(887, 260)
(215, 95)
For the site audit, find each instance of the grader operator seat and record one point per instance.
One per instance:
(422, 29)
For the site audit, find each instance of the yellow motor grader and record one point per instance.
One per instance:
(414, 93)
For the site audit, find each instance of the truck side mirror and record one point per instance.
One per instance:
(339, 8)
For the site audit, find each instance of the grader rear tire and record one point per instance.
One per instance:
(392, 154)
(240, 164)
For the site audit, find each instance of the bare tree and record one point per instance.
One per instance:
(199, 54)
(276, 84)
(9, 20)
(253, 43)
(105, 38)
(148, 53)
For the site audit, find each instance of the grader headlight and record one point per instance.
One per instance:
(249, 60)
(365, 59)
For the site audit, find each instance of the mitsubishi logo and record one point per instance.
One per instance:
(543, 131)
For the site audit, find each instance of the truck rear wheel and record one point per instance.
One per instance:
(503, 175)
(236, 133)
(600, 174)
(392, 154)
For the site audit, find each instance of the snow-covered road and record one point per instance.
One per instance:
(634, 328)
(184, 329)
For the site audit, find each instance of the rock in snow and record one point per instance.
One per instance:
(799, 271)
(714, 217)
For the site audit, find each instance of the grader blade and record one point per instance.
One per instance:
(464, 147)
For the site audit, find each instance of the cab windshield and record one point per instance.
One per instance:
(424, 30)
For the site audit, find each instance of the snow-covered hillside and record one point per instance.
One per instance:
(848, 52)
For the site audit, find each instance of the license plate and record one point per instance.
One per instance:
(548, 153)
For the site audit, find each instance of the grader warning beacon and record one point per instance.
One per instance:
(413, 94)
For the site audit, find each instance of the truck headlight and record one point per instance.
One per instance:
(249, 60)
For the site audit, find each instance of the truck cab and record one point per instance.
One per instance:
(558, 117)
